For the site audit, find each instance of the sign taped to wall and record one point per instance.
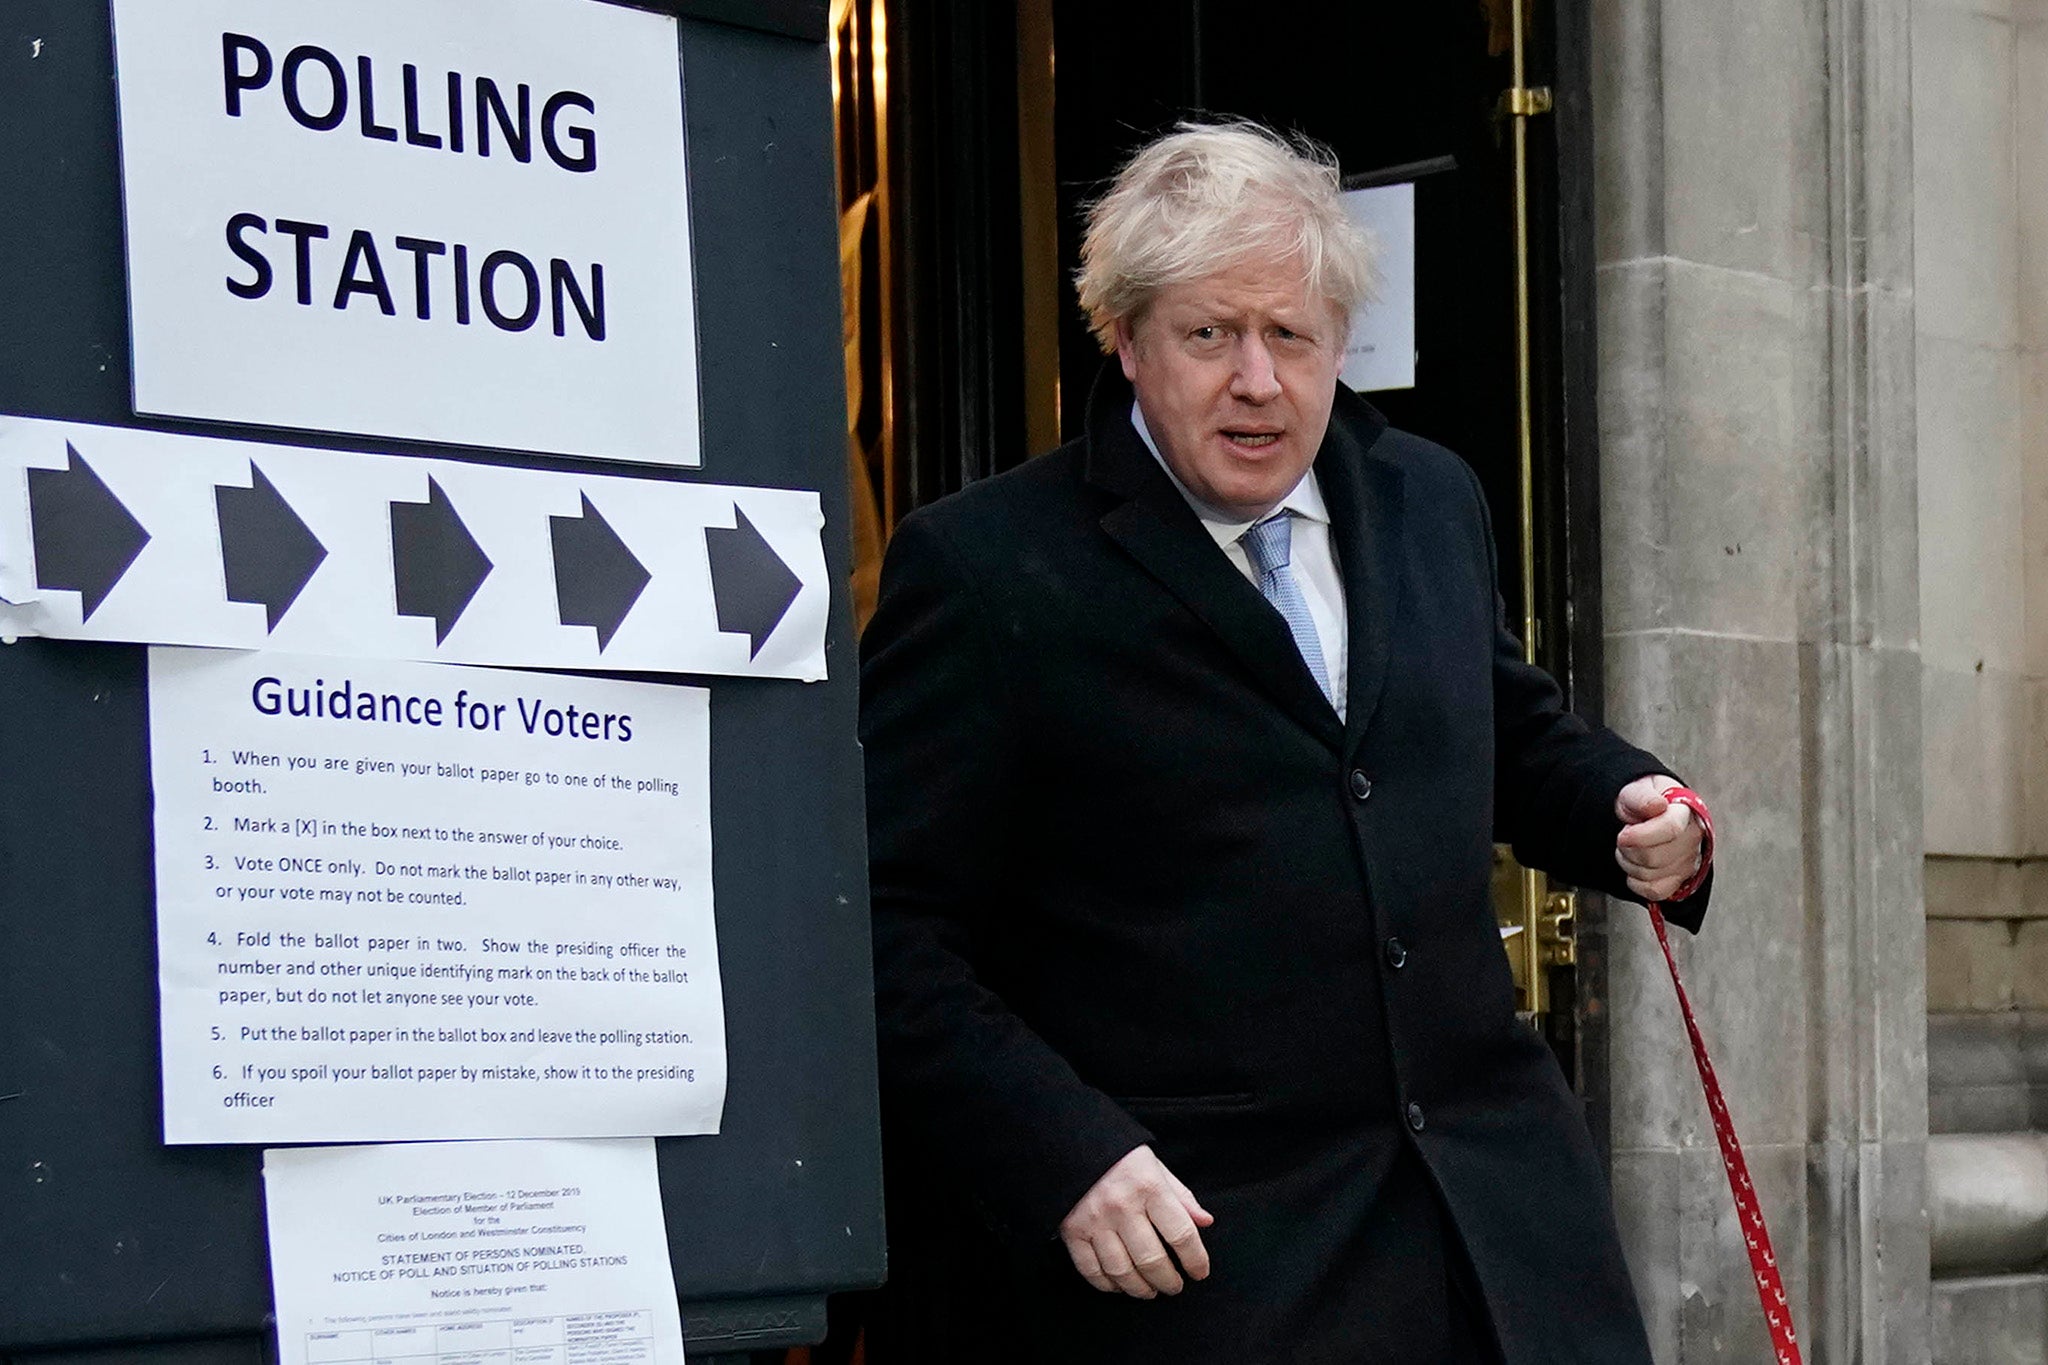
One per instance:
(115, 533)
(400, 901)
(1380, 352)
(471, 1253)
(458, 221)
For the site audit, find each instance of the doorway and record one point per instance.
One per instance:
(972, 138)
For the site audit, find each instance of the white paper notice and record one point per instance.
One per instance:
(469, 1253)
(1381, 351)
(461, 221)
(119, 533)
(405, 901)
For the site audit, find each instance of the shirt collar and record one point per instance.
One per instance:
(1304, 500)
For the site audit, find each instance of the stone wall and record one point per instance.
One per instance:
(1980, 132)
(1987, 991)
(1760, 569)
(1980, 135)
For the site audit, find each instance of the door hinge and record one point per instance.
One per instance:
(1557, 929)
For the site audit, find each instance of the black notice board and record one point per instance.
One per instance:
(115, 1247)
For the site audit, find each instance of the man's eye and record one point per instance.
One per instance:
(1206, 333)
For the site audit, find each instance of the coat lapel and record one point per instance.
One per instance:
(1157, 528)
(1364, 491)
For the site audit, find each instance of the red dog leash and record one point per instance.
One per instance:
(1763, 1263)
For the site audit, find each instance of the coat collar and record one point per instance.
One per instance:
(1156, 527)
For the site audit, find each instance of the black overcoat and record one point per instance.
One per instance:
(1133, 882)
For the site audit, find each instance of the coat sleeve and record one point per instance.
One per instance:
(1556, 777)
(967, 1080)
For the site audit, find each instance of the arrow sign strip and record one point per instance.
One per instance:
(85, 538)
(267, 554)
(436, 564)
(347, 553)
(751, 584)
(597, 578)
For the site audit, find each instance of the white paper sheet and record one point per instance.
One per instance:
(469, 1253)
(1381, 351)
(485, 912)
(117, 533)
(407, 271)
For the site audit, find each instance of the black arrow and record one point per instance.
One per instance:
(597, 579)
(750, 584)
(267, 553)
(436, 564)
(85, 538)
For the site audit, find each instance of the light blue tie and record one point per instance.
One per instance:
(1270, 546)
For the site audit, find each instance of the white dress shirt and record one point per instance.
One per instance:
(1312, 560)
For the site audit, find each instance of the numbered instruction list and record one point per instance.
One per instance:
(460, 1253)
(401, 900)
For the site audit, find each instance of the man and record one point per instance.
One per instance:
(1187, 748)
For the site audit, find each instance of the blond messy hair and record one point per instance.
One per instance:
(1209, 196)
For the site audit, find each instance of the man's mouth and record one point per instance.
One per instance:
(1254, 439)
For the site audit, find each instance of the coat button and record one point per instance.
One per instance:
(1361, 785)
(1397, 954)
(1415, 1116)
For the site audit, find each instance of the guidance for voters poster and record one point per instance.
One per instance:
(399, 900)
(460, 1253)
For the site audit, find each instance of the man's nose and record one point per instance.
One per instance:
(1254, 380)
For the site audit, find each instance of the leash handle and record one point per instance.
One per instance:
(1763, 1262)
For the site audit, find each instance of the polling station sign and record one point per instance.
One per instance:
(458, 221)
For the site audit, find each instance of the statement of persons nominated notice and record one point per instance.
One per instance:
(552, 1253)
(399, 900)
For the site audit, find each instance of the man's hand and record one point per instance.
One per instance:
(1119, 1233)
(1659, 844)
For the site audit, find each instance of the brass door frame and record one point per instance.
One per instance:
(1538, 925)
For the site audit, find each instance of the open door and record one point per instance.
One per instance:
(984, 130)
(972, 138)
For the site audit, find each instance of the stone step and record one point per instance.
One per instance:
(1991, 1320)
(1987, 1202)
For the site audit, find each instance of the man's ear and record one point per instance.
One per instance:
(1127, 348)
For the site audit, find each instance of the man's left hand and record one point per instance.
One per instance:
(1659, 844)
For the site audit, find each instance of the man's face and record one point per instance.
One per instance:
(1235, 373)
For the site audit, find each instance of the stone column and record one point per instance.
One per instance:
(1760, 573)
